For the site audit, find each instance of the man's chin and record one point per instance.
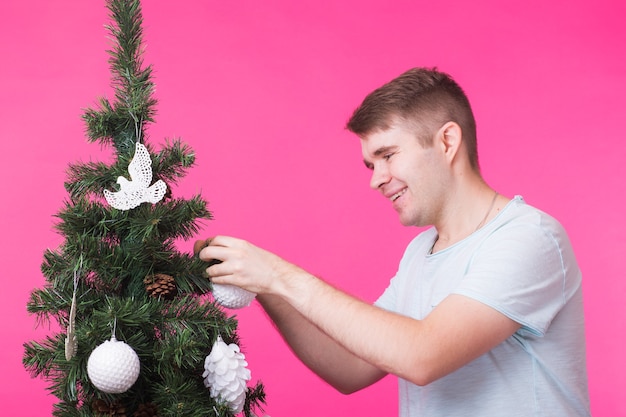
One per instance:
(404, 221)
(409, 221)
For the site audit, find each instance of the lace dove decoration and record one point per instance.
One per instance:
(138, 190)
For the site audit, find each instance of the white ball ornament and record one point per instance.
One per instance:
(231, 296)
(226, 374)
(113, 367)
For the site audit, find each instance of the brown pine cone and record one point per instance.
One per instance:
(160, 285)
(146, 410)
(102, 408)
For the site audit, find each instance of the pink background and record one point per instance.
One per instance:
(261, 90)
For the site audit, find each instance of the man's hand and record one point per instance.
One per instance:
(237, 262)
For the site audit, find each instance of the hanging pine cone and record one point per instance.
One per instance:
(146, 410)
(160, 285)
(102, 408)
(226, 374)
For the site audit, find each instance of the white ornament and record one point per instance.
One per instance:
(231, 296)
(138, 190)
(226, 374)
(113, 367)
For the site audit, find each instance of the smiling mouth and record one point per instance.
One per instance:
(397, 195)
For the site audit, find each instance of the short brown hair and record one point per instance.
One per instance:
(425, 98)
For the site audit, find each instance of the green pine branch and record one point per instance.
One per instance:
(115, 255)
(122, 123)
(173, 219)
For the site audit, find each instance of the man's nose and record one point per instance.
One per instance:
(380, 176)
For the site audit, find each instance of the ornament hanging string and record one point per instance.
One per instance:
(114, 328)
(138, 124)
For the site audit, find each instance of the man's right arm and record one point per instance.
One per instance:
(329, 360)
(334, 364)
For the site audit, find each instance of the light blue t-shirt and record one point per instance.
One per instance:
(521, 264)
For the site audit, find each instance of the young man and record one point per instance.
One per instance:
(485, 315)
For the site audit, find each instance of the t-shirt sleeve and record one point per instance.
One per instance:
(526, 271)
(389, 298)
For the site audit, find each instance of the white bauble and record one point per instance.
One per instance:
(226, 374)
(113, 367)
(231, 296)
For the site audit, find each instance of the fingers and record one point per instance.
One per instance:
(198, 250)
(217, 272)
(200, 247)
(215, 250)
(226, 258)
(224, 241)
(223, 264)
(214, 241)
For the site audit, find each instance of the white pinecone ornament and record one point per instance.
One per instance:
(226, 374)
(231, 296)
(113, 366)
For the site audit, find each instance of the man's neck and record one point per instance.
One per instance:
(468, 209)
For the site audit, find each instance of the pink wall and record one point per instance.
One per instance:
(262, 89)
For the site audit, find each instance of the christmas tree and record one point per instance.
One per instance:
(139, 334)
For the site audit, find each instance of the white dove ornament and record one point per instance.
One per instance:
(138, 190)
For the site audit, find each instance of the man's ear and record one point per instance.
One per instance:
(450, 137)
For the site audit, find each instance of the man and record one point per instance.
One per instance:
(484, 317)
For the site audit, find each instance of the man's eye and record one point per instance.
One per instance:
(387, 156)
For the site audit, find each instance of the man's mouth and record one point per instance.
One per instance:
(398, 194)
